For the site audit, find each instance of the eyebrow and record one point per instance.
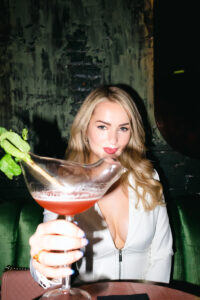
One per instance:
(107, 123)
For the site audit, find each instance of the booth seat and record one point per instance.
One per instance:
(19, 219)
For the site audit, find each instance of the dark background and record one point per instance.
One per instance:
(52, 53)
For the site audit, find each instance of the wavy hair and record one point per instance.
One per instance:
(133, 156)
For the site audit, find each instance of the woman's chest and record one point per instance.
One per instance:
(114, 209)
(135, 229)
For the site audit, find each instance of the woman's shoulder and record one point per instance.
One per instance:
(131, 177)
(155, 175)
(133, 194)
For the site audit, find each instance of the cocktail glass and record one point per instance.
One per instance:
(68, 188)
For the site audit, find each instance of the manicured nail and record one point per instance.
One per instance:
(68, 272)
(81, 234)
(72, 272)
(84, 242)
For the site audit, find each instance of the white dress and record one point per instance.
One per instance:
(146, 254)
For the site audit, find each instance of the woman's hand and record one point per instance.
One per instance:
(50, 241)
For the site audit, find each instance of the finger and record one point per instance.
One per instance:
(62, 243)
(52, 259)
(56, 227)
(56, 242)
(51, 272)
(60, 227)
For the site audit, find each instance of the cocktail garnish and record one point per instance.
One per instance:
(17, 148)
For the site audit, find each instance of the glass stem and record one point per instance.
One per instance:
(66, 283)
(66, 280)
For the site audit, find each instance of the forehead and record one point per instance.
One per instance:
(110, 109)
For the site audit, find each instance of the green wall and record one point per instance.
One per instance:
(52, 53)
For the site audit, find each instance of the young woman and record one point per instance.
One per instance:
(128, 229)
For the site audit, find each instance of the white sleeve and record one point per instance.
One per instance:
(160, 252)
(39, 278)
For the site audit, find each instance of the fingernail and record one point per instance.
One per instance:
(81, 234)
(84, 242)
(68, 272)
(79, 254)
(75, 222)
(72, 272)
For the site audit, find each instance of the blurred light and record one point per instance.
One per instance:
(178, 71)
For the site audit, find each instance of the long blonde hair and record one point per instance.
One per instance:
(133, 156)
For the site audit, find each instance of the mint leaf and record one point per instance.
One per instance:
(2, 130)
(16, 149)
(9, 167)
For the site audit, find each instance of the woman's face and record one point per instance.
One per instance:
(108, 131)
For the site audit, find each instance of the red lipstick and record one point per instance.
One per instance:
(110, 150)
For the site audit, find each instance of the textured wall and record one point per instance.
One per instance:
(55, 52)
(52, 53)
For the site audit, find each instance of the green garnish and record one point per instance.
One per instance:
(16, 148)
(25, 134)
(9, 167)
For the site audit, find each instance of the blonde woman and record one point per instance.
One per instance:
(128, 229)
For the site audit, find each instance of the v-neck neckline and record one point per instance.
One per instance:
(97, 208)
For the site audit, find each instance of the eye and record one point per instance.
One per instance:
(124, 128)
(102, 127)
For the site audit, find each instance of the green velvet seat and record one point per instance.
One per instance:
(184, 214)
(18, 221)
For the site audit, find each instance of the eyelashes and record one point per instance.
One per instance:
(103, 127)
(124, 129)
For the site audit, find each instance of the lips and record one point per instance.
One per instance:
(110, 150)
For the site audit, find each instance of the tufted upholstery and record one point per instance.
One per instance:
(18, 220)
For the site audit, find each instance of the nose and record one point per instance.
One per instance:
(113, 137)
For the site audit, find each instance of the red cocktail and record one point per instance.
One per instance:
(63, 203)
(68, 188)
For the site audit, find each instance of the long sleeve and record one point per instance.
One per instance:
(160, 253)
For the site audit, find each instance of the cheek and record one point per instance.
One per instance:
(94, 137)
(125, 140)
